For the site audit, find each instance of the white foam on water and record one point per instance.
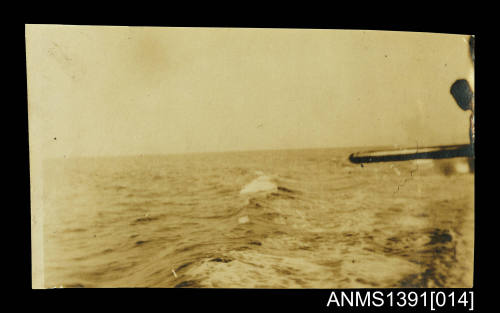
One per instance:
(243, 219)
(461, 167)
(261, 183)
(424, 161)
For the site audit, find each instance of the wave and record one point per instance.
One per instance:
(260, 184)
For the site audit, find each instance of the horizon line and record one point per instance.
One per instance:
(242, 150)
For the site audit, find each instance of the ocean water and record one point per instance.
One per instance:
(262, 219)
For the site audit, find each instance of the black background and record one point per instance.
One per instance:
(458, 19)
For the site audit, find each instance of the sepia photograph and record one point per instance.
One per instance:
(268, 158)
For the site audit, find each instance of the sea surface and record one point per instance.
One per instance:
(261, 219)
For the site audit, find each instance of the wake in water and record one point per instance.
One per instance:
(296, 219)
(260, 226)
(261, 183)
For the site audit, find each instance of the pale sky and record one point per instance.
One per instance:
(139, 90)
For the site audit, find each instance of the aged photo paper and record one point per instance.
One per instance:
(250, 157)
